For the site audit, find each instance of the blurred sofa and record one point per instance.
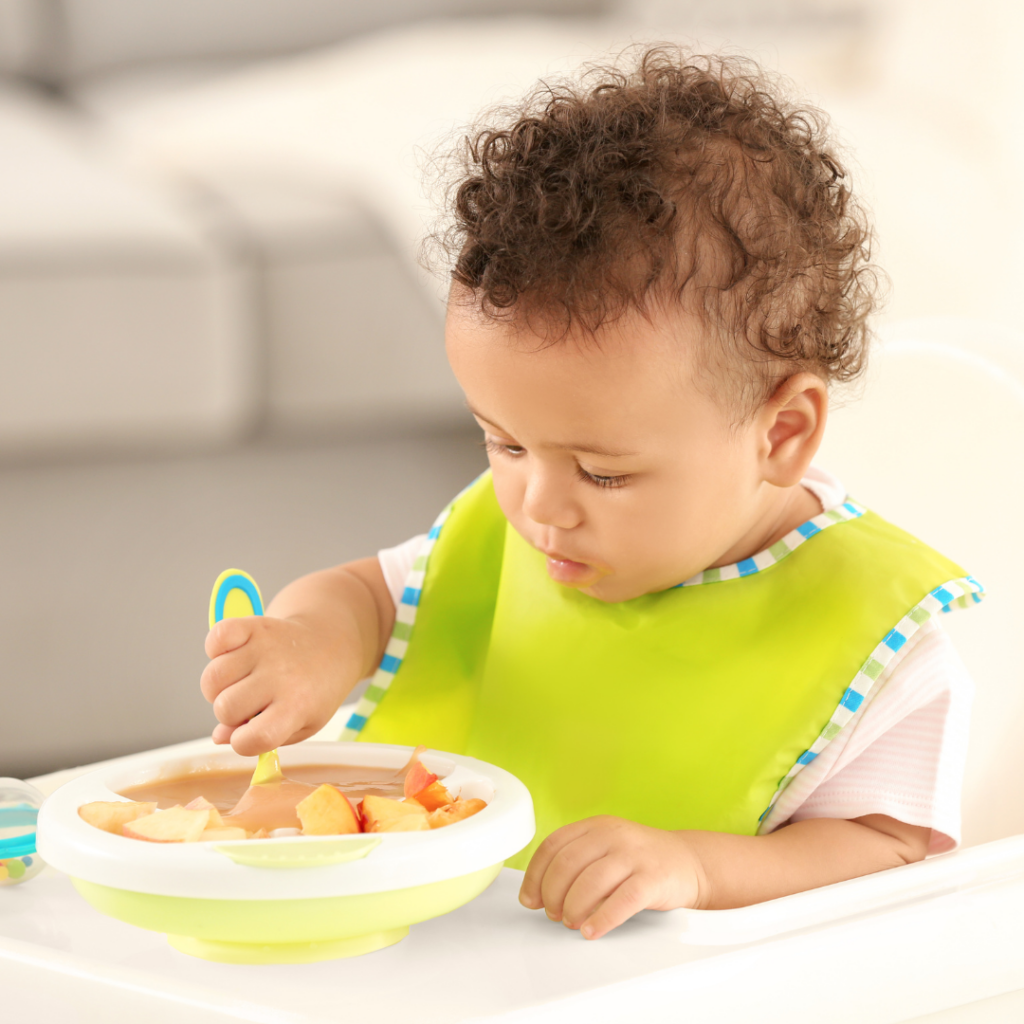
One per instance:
(154, 300)
(211, 210)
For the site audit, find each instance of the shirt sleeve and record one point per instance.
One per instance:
(905, 756)
(396, 563)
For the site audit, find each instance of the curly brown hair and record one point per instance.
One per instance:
(667, 177)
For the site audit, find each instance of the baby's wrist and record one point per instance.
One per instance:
(694, 874)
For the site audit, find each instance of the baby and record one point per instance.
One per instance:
(721, 679)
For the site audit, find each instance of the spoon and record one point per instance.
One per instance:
(236, 596)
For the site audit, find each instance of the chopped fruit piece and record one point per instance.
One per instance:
(326, 812)
(383, 815)
(111, 816)
(417, 779)
(202, 804)
(404, 770)
(434, 796)
(261, 834)
(176, 825)
(223, 834)
(455, 812)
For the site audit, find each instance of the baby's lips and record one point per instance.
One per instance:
(565, 570)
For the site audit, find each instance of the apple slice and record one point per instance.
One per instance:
(202, 804)
(112, 815)
(453, 812)
(223, 834)
(417, 779)
(327, 812)
(176, 825)
(433, 796)
(381, 814)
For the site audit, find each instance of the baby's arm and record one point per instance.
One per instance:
(276, 679)
(594, 874)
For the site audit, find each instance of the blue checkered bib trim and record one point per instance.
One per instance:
(955, 593)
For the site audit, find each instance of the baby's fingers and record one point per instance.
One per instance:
(593, 886)
(224, 671)
(271, 728)
(565, 870)
(633, 895)
(222, 733)
(530, 891)
(229, 635)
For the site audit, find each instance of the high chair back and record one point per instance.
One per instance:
(935, 445)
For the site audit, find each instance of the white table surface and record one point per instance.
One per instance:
(61, 960)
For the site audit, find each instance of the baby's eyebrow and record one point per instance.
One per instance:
(589, 449)
(595, 449)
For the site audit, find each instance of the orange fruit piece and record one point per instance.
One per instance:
(382, 814)
(453, 812)
(113, 815)
(434, 796)
(176, 825)
(327, 812)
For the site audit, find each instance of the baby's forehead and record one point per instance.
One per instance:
(630, 387)
(668, 346)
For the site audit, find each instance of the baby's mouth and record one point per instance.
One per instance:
(569, 572)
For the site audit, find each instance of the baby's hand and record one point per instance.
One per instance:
(595, 874)
(271, 681)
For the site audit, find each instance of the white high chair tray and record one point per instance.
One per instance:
(941, 942)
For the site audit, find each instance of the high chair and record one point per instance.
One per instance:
(936, 445)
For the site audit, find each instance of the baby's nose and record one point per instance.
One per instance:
(550, 503)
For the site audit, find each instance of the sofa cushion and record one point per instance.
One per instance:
(121, 320)
(317, 162)
(72, 38)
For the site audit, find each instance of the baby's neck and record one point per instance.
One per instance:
(786, 508)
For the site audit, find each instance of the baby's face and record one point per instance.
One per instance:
(608, 458)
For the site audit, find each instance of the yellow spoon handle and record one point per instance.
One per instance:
(268, 769)
(236, 596)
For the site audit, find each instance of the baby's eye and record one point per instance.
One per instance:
(602, 481)
(503, 448)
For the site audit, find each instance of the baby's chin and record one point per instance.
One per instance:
(613, 588)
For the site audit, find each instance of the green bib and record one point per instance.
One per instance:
(691, 708)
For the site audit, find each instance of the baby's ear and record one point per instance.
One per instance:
(791, 424)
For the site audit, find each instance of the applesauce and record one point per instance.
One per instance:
(268, 806)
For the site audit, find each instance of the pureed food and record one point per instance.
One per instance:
(225, 787)
(313, 800)
(270, 806)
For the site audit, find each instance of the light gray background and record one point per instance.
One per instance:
(102, 625)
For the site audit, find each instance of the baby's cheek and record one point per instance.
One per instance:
(510, 489)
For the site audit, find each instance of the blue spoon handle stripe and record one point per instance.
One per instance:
(236, 582)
